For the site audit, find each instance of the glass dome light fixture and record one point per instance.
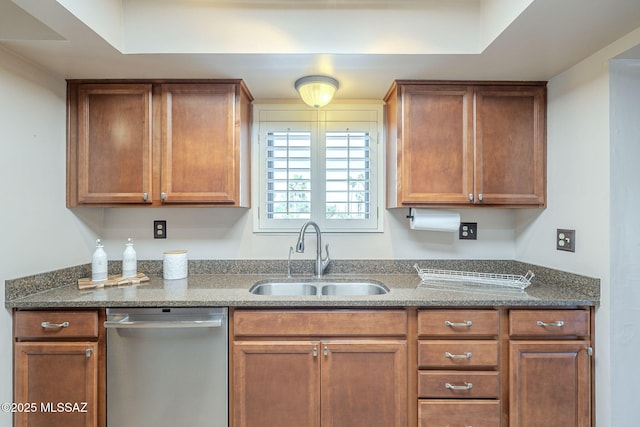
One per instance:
(316, 91)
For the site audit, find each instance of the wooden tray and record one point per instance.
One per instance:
(87, 283)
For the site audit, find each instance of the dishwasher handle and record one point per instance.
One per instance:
(125, 323)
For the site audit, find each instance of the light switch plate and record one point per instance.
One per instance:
(566, 240)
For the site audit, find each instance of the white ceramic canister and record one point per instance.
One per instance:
(175, 265)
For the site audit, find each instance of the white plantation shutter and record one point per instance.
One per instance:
(288, 175)
(322, 170)
(347, 175)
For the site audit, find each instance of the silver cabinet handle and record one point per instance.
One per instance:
(315, 351)
(458, 324)
(480, 197)
(466, 386)
(47, 325)
(125, 323)
(557, 324)
(145, 196)
(457, 356)
(471, 197)
(326, 350)
(163, 195)
(88, 352)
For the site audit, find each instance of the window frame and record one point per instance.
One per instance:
(333, 117)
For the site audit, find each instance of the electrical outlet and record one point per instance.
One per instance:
(160, 229)
(566, 240)
(468, 231)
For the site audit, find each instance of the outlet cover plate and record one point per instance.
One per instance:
(160, 229)
(468, 231)
(566, 240)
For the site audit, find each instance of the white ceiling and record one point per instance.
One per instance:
(271, 43)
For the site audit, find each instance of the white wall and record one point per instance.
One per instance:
(224, 233)
(38, 233)
(625, 240)
(579, 182)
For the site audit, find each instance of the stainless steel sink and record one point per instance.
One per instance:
(283, 288)
(354, 288)
(279, 287)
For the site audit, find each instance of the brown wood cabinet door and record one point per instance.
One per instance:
(200, 143)
(550, 384)
(364, 384)
(114, 144)
(276, 383)
(510, 145)
(60, 379)
(435, 152)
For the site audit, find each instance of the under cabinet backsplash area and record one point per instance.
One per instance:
(22, 287)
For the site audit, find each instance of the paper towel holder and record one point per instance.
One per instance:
(410, 215)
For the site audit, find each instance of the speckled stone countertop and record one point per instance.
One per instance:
(227, 283)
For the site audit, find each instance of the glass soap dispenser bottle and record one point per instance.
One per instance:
(129, 261)
(99, 263)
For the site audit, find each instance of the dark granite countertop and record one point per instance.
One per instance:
(227, 283)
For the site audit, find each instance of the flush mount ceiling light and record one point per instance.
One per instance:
(316, 91)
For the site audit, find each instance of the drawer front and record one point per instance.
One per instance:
(458, 323)
(549, 323)
(441, 413)
(457, 353)
(55, 324)
(323, 323)
(458, 385)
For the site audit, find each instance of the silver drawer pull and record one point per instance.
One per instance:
(557, 324)
(457, 356)
(466, 386)
(48, 325)
(458, 324)
(88, 352)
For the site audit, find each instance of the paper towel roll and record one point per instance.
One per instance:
(434, 220)
(175, 265)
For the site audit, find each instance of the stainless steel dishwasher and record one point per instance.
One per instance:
(167, 367)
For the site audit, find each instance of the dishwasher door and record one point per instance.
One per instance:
(167, 367)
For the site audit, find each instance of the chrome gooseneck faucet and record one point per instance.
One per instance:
(321, 264)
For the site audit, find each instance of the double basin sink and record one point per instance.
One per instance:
(318, 287)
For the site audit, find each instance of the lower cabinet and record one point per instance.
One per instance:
(58, 369)
(59, 382)
(458, 368)
(404, 367)
(276, 383)
(550, 368)
(321, 381)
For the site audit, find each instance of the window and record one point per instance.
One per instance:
(317, 165)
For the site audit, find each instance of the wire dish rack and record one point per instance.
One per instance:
(467, 277)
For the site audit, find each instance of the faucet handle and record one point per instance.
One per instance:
(289, 262)
(327, 260)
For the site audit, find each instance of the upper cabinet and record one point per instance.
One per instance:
(154, 143)
(466, 144)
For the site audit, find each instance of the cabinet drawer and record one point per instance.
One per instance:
(55, 324)
(457, 353)
(458, 322)
(458, 385)
(323, 323)
(545, 323)
(440, 413)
